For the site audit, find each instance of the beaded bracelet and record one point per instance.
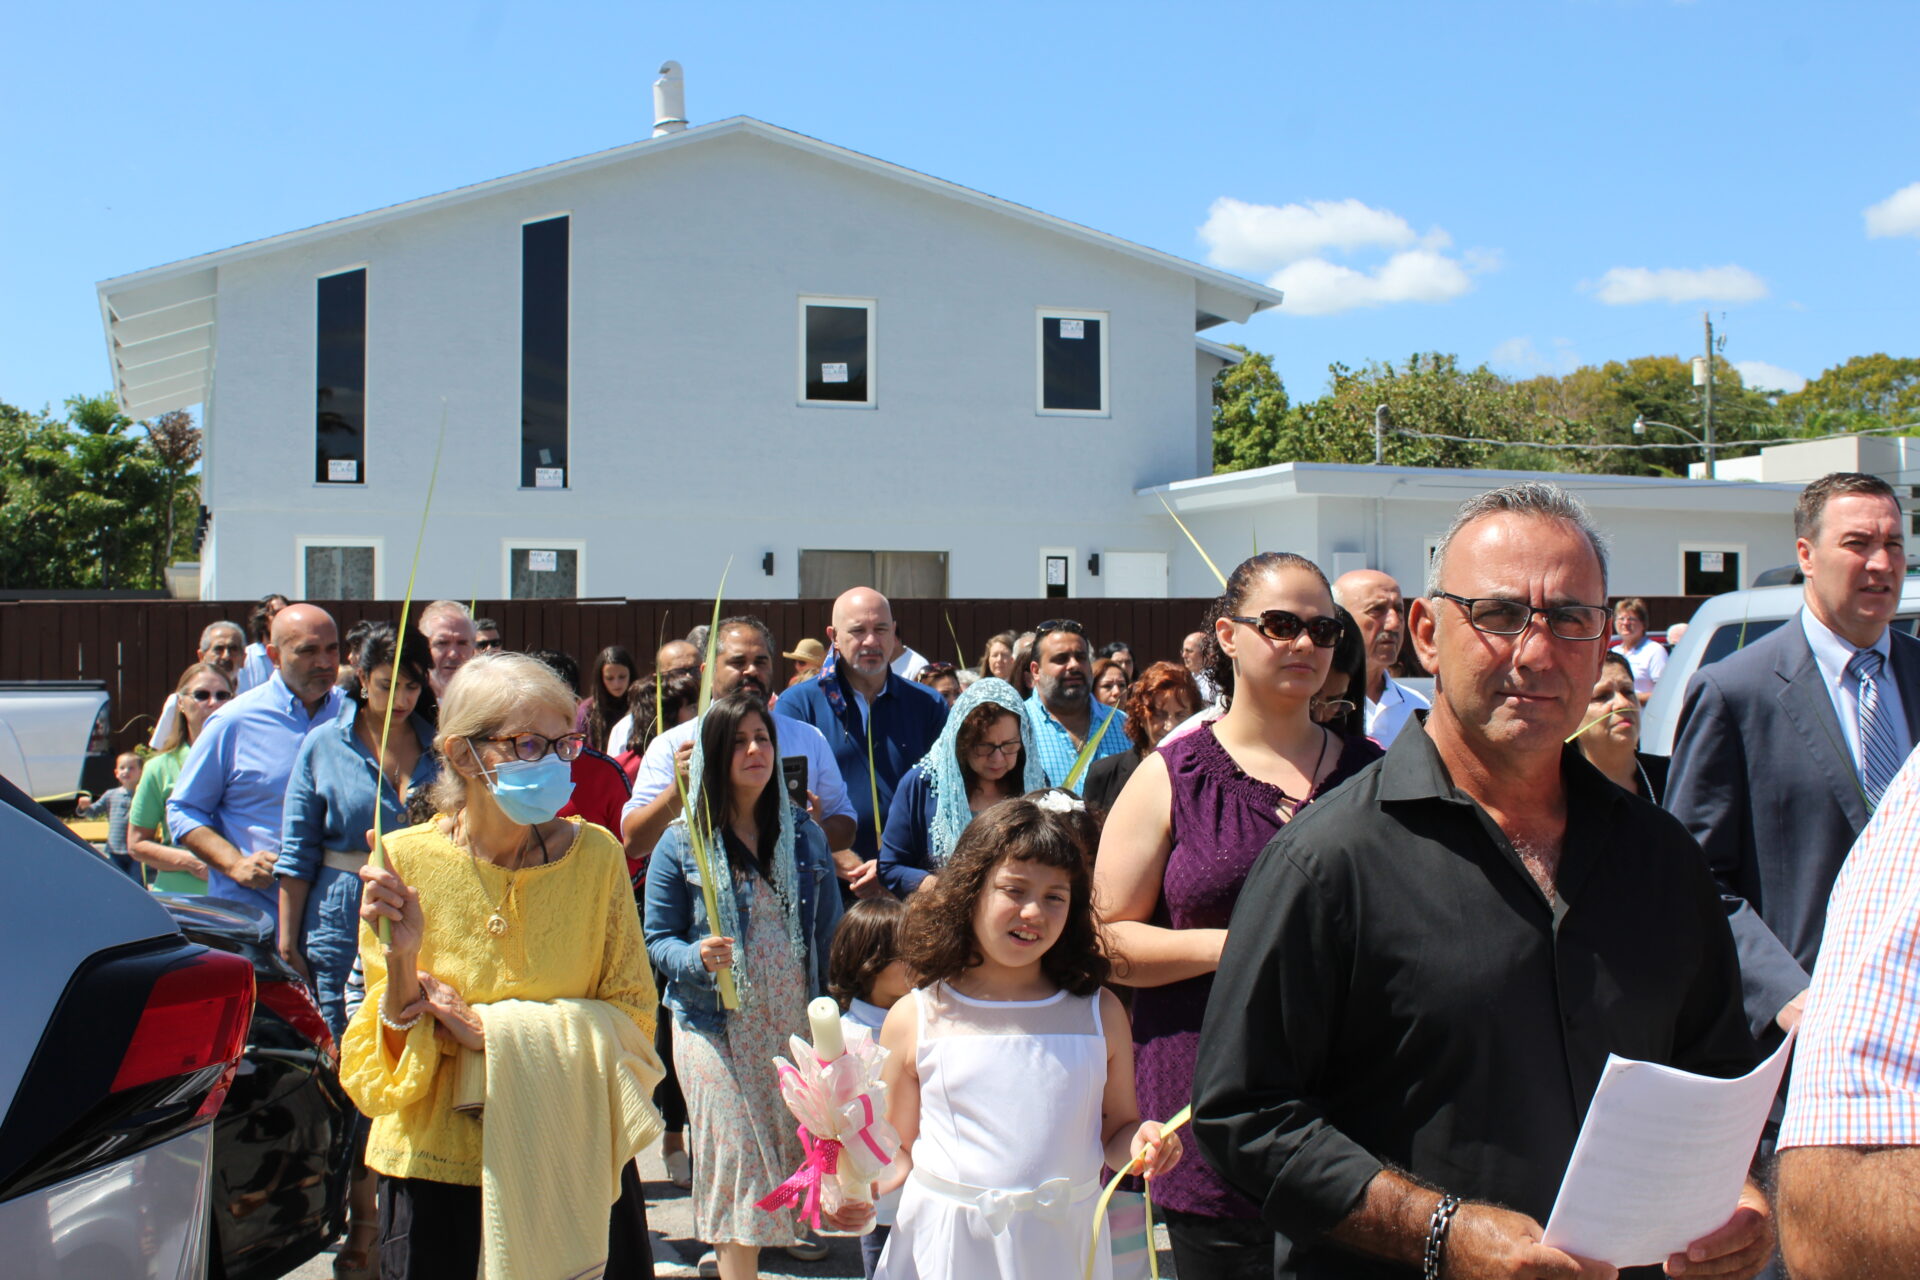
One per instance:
(406, 1026)
(1437, 1235)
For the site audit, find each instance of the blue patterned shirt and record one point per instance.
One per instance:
(1057, 748)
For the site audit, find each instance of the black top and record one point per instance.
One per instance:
(1107, 778)
(1396, 989)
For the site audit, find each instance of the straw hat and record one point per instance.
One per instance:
(809, 651)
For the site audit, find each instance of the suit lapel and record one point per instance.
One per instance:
(1906, 673)
(1807, 704)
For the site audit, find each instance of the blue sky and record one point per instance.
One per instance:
(1533, 185)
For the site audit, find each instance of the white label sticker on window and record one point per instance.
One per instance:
(549, 477)
(543, 561)
(1056, 571)
(343, 471)
(1713, 562)
(1073, 328)
(833, 373)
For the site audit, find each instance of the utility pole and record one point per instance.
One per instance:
(1379, 435)
(1707, 403)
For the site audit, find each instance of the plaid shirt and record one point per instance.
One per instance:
(1056, 746)
(1856, 1078)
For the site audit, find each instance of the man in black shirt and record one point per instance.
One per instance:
(1426, 971)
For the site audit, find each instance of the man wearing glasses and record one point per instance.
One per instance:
(1427, 969)
(1062, 709)
(222, 645)
(486, 636)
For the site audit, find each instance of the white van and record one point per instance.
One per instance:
(1720, 626)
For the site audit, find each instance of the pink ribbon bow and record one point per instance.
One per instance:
(823, 1161)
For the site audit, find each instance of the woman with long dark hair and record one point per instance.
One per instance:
(608, 682)
(778, 903)
(1177, 848)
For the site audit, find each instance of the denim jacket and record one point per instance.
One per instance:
(676, 920)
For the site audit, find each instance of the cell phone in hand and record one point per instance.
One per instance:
(793, 772)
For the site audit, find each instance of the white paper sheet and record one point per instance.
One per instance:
(1660, 1160)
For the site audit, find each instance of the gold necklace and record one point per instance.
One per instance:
(497, 923)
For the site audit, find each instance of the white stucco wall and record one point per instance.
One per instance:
(686, 441)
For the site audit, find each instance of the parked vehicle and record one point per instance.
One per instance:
(119, 1041)
(1719, 627)
(55, 737)
(281, 1145)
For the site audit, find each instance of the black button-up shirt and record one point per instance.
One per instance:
(1396, 990)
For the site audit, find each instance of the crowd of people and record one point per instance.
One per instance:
(1383, 942)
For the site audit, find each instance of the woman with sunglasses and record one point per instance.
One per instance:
(501, 912)
(1177, 848)
(203, 689)
(985, 754)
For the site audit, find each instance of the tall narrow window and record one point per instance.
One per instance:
(1073, 362)
(340, 377)
(544, 251)
(836, 351)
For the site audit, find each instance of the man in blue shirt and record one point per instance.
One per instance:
(867, 712)
(226, 806)
(1062, 709)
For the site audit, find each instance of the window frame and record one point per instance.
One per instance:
(1048, 553)
(872, 307)
(566, 476)
(1041, 316)
(510, 545)
(302, 543)
(366, 348)
(1683, 549)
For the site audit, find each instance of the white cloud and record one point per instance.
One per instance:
(1623, 286)
(1521, 356)
(1296, 245)
(1897, 215)
(1761, 376)
(1316, 287)
(1262, 237)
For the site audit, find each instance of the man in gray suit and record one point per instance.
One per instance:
(1785, 747)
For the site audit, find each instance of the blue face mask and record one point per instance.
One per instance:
(532, 791)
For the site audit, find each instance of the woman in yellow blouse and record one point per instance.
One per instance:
(500, 913)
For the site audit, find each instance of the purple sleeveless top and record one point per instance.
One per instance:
(1221, 819)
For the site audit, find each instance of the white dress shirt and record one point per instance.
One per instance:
(1832, 654)
(1388, 716)
(1649, 663)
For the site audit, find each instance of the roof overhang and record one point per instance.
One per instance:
(169, 303)
(1238, 490)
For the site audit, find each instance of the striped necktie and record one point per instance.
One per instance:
(1880, 751)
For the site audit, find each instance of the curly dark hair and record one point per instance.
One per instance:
(1161, 677)
(939, 943)
(662, 703)
(865, 942)
(1233, 600)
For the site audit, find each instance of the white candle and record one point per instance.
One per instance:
(828, 1044)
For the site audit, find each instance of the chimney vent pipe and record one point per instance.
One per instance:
(669, 101)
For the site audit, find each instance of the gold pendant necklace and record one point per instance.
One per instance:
(497, 923)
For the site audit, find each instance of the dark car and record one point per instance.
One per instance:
(282, 1143)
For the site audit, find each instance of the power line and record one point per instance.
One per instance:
(1718, 444)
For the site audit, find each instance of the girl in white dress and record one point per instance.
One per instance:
(1010, 1070)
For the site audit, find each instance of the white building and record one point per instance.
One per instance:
(733, 341)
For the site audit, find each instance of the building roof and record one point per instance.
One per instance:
(1260, 486)
(160, 322)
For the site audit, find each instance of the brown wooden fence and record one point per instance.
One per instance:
(139, 647)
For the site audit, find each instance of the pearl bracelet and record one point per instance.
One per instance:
(391, 1025)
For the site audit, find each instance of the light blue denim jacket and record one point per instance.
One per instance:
(330, 792)
(676, 920)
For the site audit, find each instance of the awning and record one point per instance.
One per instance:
(161, 337)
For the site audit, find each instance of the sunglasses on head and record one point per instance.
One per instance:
(1052, 625)
(1278, 624)
(211, 695)
(935, 669)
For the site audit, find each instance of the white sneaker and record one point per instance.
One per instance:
(679, 1168)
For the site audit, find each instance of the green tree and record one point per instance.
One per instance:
(1250, 410)
(1866, 391)
(1493, 420)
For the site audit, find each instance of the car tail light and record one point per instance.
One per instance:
(196, 1016)
(102, 735)
(293, 1002)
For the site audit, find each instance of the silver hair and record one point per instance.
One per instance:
(206, 636)
(1534, 498)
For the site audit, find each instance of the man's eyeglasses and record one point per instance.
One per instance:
(211, 695)
(534, 746)
(1329, 709)
(1499, 617)
(228, 647)
(992, 750)
(1278, 624)
(484, 645)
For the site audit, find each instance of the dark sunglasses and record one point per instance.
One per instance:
(1278, 624)
(211, 695)
(933, 670)
(484, 645)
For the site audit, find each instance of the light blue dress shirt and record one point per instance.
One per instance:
(235, 778)
(1832, 653)
(1055, 745)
